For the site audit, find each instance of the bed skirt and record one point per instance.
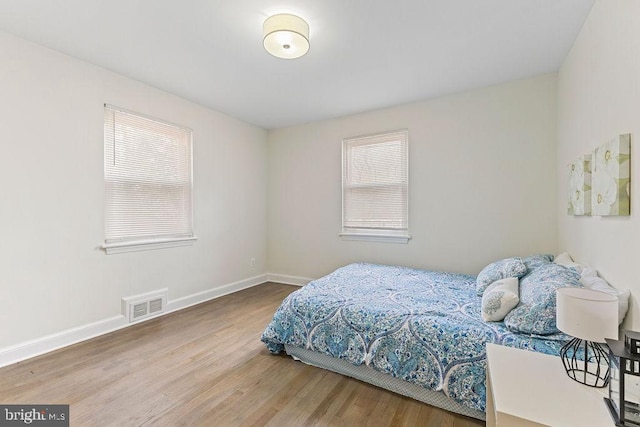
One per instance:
(379, 379)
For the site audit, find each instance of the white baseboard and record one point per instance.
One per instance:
(36, 347)
(200, 297)
(288, 280)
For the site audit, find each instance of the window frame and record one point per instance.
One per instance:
(376, 234)
(149, 242)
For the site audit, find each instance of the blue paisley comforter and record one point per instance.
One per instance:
(424, 327)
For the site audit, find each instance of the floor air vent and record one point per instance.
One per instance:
(141, 306)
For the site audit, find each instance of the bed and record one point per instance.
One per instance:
(415, 332)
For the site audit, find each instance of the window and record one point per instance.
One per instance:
(148, 182)
(375, 187)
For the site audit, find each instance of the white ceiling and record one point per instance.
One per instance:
(365, 54)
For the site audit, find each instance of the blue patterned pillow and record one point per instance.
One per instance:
(536, 313)
(534, 261)
(509, 267)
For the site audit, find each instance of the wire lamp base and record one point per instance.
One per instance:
(586, 362)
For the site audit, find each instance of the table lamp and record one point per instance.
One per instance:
(589, 316)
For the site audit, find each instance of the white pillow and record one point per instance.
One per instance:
(499, 299)
(590, 279)
(566, 260)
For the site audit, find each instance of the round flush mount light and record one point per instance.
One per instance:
(286, 36)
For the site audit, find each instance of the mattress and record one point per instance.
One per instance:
(385, 381)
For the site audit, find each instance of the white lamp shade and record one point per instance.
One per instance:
(587, 314)
(286, 36)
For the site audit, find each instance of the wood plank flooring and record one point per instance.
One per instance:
(206, 366)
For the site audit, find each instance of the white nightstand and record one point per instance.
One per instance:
(525, 388)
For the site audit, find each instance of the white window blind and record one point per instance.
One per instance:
(148, 179)
(376, 185)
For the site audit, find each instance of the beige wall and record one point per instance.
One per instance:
(52, 275)
(598, 99)
(482, 183)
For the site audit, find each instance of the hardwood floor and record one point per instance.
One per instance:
(206, 366)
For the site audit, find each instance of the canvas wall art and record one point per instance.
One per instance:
(580, 186)
(610, 179)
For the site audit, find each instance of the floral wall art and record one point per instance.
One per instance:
(599, 183)
(580, 186)
(611, 186)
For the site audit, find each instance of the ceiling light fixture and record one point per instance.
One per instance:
(286, 36)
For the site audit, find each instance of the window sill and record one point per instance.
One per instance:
(376, 237)
(146, 245)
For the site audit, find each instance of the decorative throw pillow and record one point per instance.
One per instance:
(499, 299)
(591, 280)
(536, 313)
(509, 267)
(534, 261)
